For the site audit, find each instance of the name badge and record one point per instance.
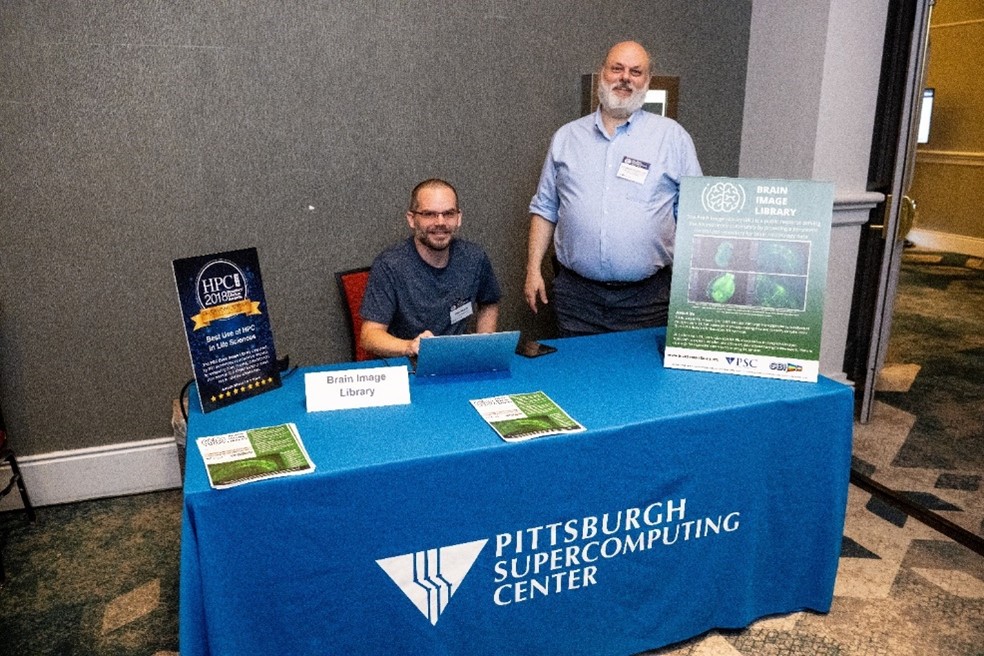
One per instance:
(633, 170)
(356, 388)
(460, 312)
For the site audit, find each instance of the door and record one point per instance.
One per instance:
(893, 158)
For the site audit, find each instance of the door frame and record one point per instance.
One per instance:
(890, 173)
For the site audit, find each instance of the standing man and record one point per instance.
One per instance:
(430, 284)
(607, 199)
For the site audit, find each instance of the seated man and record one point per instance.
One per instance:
(430, 284)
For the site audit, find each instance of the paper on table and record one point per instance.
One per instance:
(254, 454)
(517, 417)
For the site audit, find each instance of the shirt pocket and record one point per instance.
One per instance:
(652, 192)
(642, 193)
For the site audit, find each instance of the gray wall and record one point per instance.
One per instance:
(133, 133)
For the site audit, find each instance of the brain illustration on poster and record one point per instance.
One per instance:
(227, 326)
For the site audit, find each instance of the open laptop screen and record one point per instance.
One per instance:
(466, 354)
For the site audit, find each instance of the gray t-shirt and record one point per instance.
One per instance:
(410, 296)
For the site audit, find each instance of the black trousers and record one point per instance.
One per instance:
(587, 307)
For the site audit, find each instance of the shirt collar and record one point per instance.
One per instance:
(625, 127)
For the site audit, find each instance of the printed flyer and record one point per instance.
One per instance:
(253, 455)
(517, 417)
(749, 274)
(227, 326)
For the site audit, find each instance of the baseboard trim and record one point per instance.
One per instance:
(950, 243)
(92, 473)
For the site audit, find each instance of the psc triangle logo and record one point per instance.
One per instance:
(429, 578)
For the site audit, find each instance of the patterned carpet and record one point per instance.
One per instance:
(101, 577)
(92, 578)
(932, 390)
(902, 589)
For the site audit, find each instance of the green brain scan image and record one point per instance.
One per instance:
(722, 288)
(779, 258)
(770, 293)
(722, 257)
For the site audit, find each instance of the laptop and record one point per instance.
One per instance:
(466, 354)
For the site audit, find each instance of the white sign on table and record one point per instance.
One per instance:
(356, 388)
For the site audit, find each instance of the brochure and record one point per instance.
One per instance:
(518, 417)
(253, 455)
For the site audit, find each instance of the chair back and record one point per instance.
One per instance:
(352, 286)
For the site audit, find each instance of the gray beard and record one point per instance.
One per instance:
(617, 107)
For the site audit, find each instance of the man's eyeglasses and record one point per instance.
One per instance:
(618, 69)
(447, 215)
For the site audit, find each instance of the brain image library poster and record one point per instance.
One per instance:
(749, 274)
(227, 326)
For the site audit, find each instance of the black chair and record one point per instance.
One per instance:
(7, 456)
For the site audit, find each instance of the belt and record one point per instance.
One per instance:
(613, 284)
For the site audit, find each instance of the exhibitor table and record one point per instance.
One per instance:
(693, 501)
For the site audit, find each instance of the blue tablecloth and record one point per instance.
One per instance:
(693, 501)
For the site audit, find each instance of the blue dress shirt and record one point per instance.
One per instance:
(609, 227)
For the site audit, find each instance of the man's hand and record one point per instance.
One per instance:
(535, 289)
(413, 346)
(376, 339)
(541, 235)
